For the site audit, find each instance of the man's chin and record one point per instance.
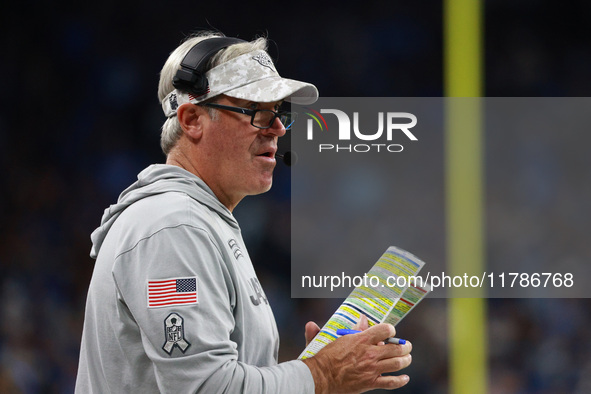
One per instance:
(263, 186)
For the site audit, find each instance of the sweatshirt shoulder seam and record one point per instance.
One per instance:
(168, 228)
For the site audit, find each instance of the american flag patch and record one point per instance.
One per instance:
(172, 292)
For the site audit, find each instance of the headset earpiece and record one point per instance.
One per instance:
(191, 76)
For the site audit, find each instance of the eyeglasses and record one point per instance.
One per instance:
(261, 118)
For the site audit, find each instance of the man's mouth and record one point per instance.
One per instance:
(268, 153)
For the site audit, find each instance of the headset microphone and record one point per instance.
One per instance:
(289, 158)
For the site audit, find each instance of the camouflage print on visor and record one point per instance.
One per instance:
(252, 77)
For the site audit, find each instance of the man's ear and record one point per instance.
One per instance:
(192, 119)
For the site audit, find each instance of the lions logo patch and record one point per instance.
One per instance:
(264, 60)
(174, 333)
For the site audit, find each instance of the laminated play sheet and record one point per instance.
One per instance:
(388, 293)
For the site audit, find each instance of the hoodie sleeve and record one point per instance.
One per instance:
(189, 340)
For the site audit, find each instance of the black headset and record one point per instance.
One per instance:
(191, 76)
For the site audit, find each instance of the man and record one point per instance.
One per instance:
(174, 304)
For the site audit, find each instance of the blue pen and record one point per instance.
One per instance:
(396, 341)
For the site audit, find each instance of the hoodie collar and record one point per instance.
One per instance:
(157, 179)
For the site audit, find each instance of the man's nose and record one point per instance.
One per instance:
(277, 129)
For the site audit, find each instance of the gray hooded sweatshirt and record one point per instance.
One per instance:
(174, 304)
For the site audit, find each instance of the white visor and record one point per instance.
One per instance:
(252, 77)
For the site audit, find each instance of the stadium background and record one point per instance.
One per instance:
(79, 119)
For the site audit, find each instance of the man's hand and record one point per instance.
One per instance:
(310, 331)
(355, 363)
(362, 324)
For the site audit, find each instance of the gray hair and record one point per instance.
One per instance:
(171, 130)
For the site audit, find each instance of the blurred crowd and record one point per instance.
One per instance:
(79, 118)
